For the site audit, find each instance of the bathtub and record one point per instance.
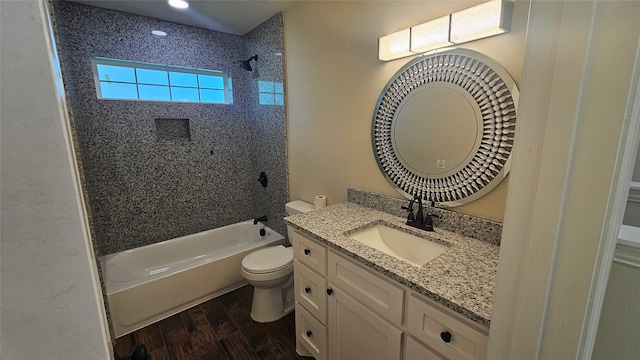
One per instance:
(150, 283)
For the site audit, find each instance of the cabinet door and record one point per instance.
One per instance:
(357, 333)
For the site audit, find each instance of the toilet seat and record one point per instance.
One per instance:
(268, 260)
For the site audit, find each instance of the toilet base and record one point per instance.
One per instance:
(271, 304)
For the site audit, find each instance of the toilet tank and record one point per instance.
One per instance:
(298, 207)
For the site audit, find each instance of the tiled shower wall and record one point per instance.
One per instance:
(268, 124)
(146, 186)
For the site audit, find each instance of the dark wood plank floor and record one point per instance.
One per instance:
(221, 328)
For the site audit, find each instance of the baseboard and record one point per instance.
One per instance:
(634, 192)
(628, 247)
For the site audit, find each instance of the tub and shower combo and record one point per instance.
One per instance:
(150, 283)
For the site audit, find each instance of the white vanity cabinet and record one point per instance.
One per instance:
(347, 311)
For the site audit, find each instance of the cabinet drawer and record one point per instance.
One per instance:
(311, 291)
(381, 296)
(432, 326)
(309, 252)
(310, 333)
(416, 351)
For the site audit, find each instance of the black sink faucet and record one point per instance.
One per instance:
(419, 215)
(419, 221)
(261, 218)
(428, 218)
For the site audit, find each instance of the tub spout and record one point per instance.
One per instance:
(261, 218)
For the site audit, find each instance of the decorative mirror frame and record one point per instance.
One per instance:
(494, 92)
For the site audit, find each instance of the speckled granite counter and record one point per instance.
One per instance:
(462, 279)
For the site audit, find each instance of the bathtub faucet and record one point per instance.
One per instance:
(261, 218)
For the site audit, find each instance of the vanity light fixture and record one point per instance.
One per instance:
(481, 21)
(395, 46)
(179, 4)
(431, 35)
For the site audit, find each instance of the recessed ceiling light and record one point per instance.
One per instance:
(159, 33)
(179, 4)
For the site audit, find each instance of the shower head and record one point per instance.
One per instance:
(246, 64)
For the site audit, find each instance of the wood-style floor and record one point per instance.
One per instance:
(221, 328)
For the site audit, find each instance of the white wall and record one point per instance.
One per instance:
(579, 61)
(632, 212)
(50, 295)
(636, 169)
(620, 318)
(619, 323)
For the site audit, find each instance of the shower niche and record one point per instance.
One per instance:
(173, 130)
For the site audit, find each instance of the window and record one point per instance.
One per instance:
(128, 80)
(270, 93)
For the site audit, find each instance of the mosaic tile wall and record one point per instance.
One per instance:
(144, 190)
(268, 125)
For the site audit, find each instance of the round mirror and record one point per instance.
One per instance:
(443, 127)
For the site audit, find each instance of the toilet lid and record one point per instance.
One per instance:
(269, 259)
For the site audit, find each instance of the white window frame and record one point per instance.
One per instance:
(95, 61)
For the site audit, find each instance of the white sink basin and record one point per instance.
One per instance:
(415, 250)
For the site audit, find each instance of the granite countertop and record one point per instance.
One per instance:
(462, 279)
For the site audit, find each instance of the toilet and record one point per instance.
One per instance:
(270, 271)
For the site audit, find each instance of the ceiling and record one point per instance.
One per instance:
(236, 17)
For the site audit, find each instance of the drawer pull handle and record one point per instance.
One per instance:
(307, 251)
(307, 289)
(329, 291)
(309, 333)
(445, 336)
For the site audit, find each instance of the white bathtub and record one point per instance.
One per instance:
(150, 283)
